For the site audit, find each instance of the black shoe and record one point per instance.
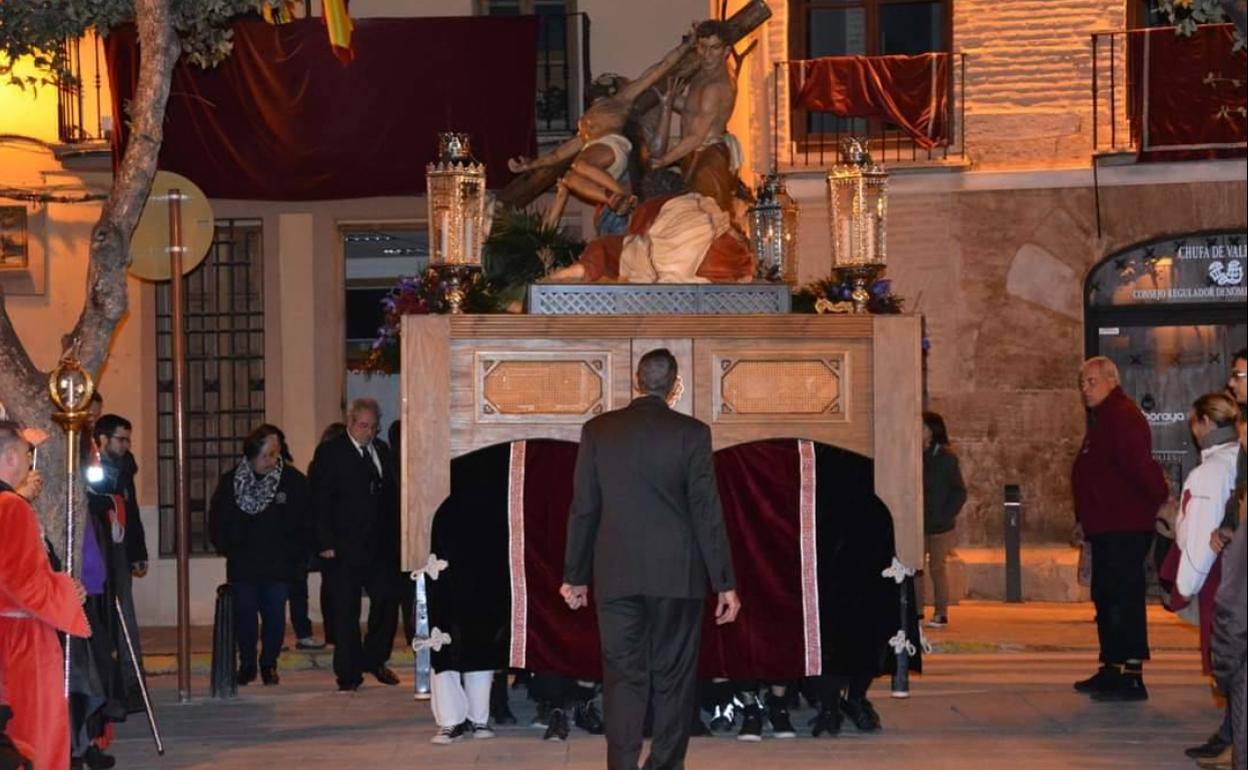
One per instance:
(349, 686)
(585, 716)
(751, 724)
(778, 715)
(385, 676)
(1106, 677)
(556, 726)
(1130, 687)
(1209, 749)
(861, 713)
(246, 675)
(268, 675)
(501, 714)
(97, 760)
(827, 722)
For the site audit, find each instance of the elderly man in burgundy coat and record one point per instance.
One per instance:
(1118, 487)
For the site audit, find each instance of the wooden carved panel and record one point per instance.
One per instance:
(778, 386)
(541, 387)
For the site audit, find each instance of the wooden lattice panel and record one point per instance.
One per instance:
(541, 386)
(778, 387)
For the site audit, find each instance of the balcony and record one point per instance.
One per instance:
(808, 139)
(1158, 96)
(83, 114)
(563, 75)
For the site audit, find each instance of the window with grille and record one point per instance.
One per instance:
(224, 322)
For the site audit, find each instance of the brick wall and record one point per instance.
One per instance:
(1028, 77)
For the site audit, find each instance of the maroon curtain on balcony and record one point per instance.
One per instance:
(282, 119)
(1188, 93)
(909, 91)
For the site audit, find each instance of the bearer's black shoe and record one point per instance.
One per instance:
(778, 715)
(556, 726)
(827, 721)
(751, 724)
(385, 676)
(861, 713)
(349, 687)
(585, 716)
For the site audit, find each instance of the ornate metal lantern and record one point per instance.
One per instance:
(456, 196)
(857, 208)
(773, 231)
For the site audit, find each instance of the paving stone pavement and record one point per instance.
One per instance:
(1014, 711)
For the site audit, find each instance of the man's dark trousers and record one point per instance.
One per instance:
(647, 642)
(346, 580)
(1119, 593)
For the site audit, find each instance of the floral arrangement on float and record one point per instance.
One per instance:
(835, 295)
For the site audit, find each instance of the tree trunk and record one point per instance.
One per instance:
(23, 388)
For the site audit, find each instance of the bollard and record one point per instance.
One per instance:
(1013, 543)
(224, 682)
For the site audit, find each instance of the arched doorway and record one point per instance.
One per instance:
(1171, 313)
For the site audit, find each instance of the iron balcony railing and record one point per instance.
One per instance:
(1117, 94)
(75, 123)
(563, 75)
(809, 138)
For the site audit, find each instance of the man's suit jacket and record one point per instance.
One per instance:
(646, 517)
(357, 518)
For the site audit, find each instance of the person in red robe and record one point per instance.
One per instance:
(35, 603)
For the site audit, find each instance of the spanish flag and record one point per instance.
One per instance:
(338, 23)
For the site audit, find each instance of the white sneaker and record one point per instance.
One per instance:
(447, 735)
(481, 731)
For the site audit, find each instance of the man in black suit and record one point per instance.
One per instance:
(646, 525)
(356, 504)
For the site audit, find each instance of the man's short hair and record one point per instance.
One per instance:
(108, 424)
(1240, 355)
(1104, 366)
(714, 28)
(656, 372)
(358, 405)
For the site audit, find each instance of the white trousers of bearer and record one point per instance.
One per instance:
(460, 696)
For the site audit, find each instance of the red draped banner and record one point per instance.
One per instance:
(283, 119)
(1189, 94)
(909, 91)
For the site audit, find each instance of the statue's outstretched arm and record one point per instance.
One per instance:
(655, 72)
(560, 154)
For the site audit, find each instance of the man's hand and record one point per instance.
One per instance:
(139, 569)
(328, 553)
(728, 607)
(575, 596)
(519, 164)
(1219, 539)
(32, 486)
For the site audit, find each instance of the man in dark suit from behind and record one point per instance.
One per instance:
(646, 525)
(356, 505)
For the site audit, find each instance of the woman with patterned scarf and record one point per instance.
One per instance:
(256, 519)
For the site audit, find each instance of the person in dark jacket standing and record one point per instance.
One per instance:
(355, 496)
(647, 527)
(256, 512)
(944, 494)
(1118, 488)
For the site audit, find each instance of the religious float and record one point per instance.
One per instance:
(813, 400)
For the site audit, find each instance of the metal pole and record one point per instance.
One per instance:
(71, 485)
(138, 670)
(1013, 543)
(181, 507)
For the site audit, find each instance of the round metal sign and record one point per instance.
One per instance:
(149, 245)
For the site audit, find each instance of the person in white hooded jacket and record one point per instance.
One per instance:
(1206, 490)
